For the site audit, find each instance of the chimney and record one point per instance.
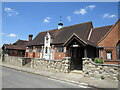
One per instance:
(30, 37)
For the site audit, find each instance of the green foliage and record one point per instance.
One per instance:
(102, 77)
(97, 60)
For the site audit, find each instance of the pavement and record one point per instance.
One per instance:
(75, 77)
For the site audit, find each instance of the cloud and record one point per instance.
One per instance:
(10, 11)
(91, 6)
(109, 16)
(69, 18)
(81, 11)
(47, 20)
(12, 35)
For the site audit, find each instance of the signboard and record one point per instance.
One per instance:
(75, 45)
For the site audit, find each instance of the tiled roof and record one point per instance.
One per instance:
(60, 36)
(98, 33)
(16, 47)
(20, 42)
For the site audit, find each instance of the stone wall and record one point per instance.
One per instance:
(54, 65)
(102, 71)
(13, 60)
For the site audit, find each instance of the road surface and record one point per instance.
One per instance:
(12, 78)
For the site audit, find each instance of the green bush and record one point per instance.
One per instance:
(97, 60)
(102, 77)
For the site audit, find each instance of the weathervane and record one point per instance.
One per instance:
(60, 18)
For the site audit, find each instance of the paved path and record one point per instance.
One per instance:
(18, 79)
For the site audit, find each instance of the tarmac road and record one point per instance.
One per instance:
(17, 79)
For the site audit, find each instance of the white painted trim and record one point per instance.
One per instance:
(76, 36)
(90, 34)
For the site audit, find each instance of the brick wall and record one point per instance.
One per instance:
(59, 55)
(29, 54)
(37, 54)
(33, 54)
(110, 41)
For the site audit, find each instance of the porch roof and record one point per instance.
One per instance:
(79, 39)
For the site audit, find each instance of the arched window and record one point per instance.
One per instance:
(118, 50)
(46, 50)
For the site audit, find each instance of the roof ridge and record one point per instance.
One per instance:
(101, 27)
(22, 40)
(48, 30)
(78, 24)
(68, 26)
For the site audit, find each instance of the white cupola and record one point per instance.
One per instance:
(60, 24)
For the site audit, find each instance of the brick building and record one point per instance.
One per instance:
(16, 49)
(77, 41)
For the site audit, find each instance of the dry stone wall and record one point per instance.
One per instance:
(54, 65)
(13, 60)
(90, 69)
(102, 71)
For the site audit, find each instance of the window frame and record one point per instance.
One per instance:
(39, 49)
(61, 49)
(30, 49)
(46, 50)
(118, 50)
(110, 52)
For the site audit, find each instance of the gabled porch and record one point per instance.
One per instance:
(78, 48)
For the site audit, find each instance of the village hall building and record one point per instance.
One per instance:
(77, 41)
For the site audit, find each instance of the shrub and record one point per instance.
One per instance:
(97, 60)
(102, 77)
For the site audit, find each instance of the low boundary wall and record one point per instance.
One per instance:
(12, 60)
(90, 69)
(54, 65)
(102, 71)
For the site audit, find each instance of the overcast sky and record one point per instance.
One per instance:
(21, 19)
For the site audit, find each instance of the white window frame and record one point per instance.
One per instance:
(109, 55)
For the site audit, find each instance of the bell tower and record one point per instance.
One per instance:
(60, 24)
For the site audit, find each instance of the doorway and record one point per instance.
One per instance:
(76, 53)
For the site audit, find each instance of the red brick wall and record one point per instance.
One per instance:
(110, 42)
(59, 55)
(37, 54)
(33, 54)
(29, 54)
(111, 62)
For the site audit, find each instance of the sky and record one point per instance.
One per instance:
(19, 19)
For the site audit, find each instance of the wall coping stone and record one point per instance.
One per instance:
(111, 65)
(46, 60)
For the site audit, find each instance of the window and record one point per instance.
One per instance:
(30, 50)
(109, 55)
(59, 49)
(21, 53)
(38, 49)
(118, 51)
(46, 49)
